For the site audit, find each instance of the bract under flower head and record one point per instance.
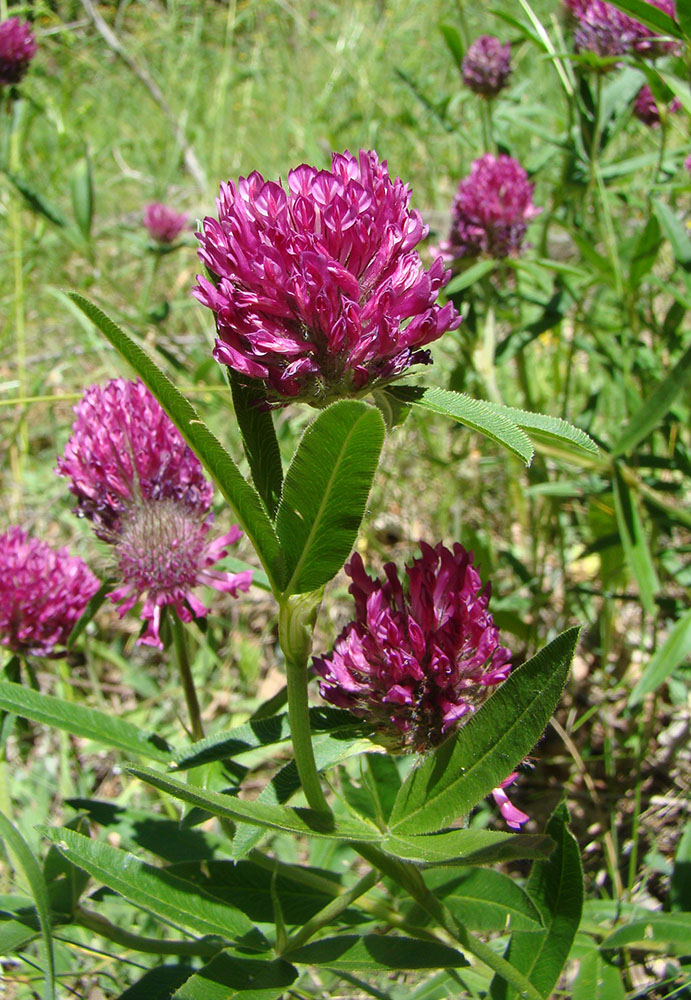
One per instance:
(607, 31)
(44, 593)
(319, 292)
(17, 49)
(124, 448)
(646, 109)
(486, 65)
(162, 554)
(491, 210)
(164, 223)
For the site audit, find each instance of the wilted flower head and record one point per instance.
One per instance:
(319, 291)
(44, 592)
(144, 490)
(486, 65)
(491, 210)
(645, 107)
(17, 49)
(607, 31)
(416, 662)
(164, 223)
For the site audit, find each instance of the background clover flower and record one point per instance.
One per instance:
(145, 491)
(44, 593)
(646, 109)
(164, 223)
(491, 210)
(17, 49)
(607, 31)
(417, 662)
(319, 291)
(486, 65)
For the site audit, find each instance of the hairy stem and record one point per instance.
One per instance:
(332, 910)
(156, 946)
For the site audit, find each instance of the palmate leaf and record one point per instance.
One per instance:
(465, 768)
(243, 498)
(371, 952)
(325, 492)
(227, 977)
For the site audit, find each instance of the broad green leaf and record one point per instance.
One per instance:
(598, 979)
(556, 887)
(680, 884)
(302, 821)
(325, 492)
(450, 781)
(474, 413)
(372, 952)
(454, 43)
(649, 15)
(227, 978)
(15, 934)
(655, 932)
(674, 230)
(156, 890)
(467, 847)
(242, 497)
(21, 855)
(668, 657)
(256, 425)
(158, 983)
(654, 408)
(634, 542)
(261, 733)
(485, 900)
(542, 429)
(82, 192)
(81, 721)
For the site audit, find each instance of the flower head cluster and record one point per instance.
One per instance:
(491, 210)
(44, 593)
(646, 109)
(486, 66)
(17, 49)
(319, 291)
(606, 31)
(144, 490)
(417, 662)
(164, 223)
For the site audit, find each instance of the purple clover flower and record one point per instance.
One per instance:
(607, 31)
(17, 48)
(44, 593)
(687, 163)
(418, 662)
(486, 66)
(145, 492)
(491, 210)
(646, 109)
(319, 292)
(164, 223)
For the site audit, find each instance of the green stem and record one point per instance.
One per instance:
(331, 911)
(486, 125)
(183, 662)
(15, 213)
(297, 615)
(156, 946)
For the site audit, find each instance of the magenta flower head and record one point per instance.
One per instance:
(486, 66)
(606, 31)
(44, 593)
(687, 163)
(319, 292)
(164, 223)
(491, 210)
(17, 49)
(646, 109)
(417, 661)
(145, 492)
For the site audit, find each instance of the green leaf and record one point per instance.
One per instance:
(374, 951)
(467, 847)
(158, 983)
(634, 543)
(302, 821)
(20, 854)
(90, 611)
(649, 15)
(469, 276)
(674, 230)
(655, 407)
(655, 932)
(598, 979)
(256, 425)
(550, 431)
(82, 192)
(485, 900)
(14, 935)
(82, 721)
(242, 497)
(325, 492)
(668, 657)
(454, 43)
(680, 884)
(556, 886)
(156, 890)
(474, 413)
(645, 251)
(227, 978)
(450, 781)
(36, 201)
